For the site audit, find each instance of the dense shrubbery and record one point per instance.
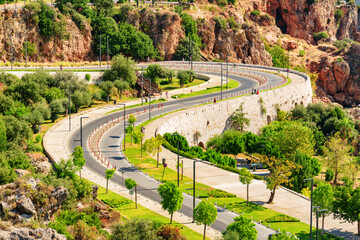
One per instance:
(320, 35)
(195, 152)
(279, 56)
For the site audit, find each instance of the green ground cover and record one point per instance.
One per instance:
(257, 212)
(128, 211)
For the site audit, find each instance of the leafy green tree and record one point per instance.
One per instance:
(104, 7)
(39, 114)
(7, 174)
(104, 26)
(290, 137)
(279, 56)
(323, 197)
(346, 204)
(121, 86)
(131, 42)
(245, 177)
(138, 138)
(8, 79)
(205, 213)
(65, 80)
(78, 158)
(60, 4)
(244, 227)
(238, 119)
(26, 91)
(155, 71)
(122, 68)
(53, 93)
(182, 51)
(190, 26)
(80, 99)
(134, 229)
(170, 74)
(6, 103)
(17, 131)
(280, 172)
(65, 169)
(107, 87)
(153, 145)
(171, 196)
(184, 77)
(130, 184)
(109, 173)
(307, 167)
(57, 107)
(3, 139)
(337, 153)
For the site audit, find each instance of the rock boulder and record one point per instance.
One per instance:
(25, 205)
(27, 233)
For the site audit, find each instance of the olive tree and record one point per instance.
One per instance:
(172, 198)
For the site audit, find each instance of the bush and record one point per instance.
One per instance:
(88, 77)
(220, 23)
(135, 229)
(281, 218)
(329, 175)
(320, 35)
(279, 56)
(232, 23)
(173, 140)
(255, 13)
(339, 14)
(116, 203)
(341, 44)
(168, 232)
(222, 3)
(301, 53)
(190, 26)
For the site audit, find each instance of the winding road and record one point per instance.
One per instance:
(110, 148)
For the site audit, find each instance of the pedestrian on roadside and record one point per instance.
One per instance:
(61, 67)
(214, 100)
(114, 101)
(257, 92)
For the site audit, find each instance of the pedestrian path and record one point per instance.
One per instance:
(286, 201)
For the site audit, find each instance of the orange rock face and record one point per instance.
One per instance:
(77, 47)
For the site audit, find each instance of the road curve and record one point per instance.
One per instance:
(110, 148)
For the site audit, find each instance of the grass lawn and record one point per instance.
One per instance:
(232, 84)
(256, 212)
(175, 84)
(128, 211)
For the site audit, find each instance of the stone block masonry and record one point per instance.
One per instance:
(213, 118)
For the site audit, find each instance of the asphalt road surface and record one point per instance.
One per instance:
(111, 141)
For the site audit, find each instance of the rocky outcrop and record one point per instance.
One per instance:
(240, 45)
(25, 205)
(164, 28)
(340, 79)
(41, 163)
(77, 47)
(301, 20)
(27, 233)
(59, 194)
(349, 25)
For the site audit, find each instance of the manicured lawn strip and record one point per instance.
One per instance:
(176, 85)
(232, 84)
(128, 211)
(258, 213)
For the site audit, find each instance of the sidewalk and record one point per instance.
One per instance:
(56, 141)
(285, 201)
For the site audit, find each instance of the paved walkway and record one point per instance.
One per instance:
(56, 141)
(285, 201)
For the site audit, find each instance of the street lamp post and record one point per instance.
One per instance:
(150, 100)
(107, 50)
(311, 204)
(189, 50)
(194, 198)
(81, 131)
(142, 85)
(12, 54)
(70, 108)
(317, 222)
(178, 158)
(123, 104)
(100, 51)
(123, 179)
(227, 72)
(26, 50)
(288, 63)
(221, 96)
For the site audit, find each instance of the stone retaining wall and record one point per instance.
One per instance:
(213, 118)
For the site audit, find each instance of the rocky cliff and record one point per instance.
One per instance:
(340, 79)
(75, 47)
(240, 45)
